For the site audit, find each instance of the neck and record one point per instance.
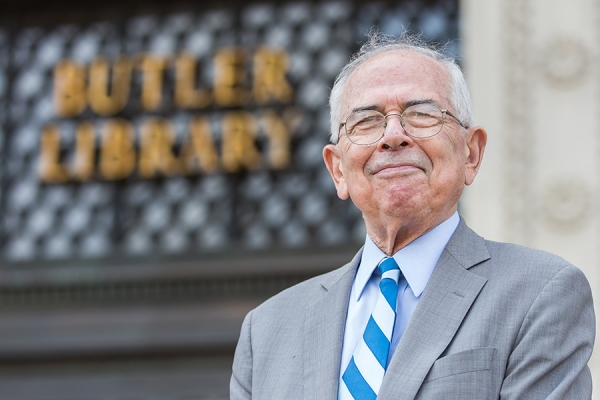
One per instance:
(394, 235)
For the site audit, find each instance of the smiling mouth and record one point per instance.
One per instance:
(397, 165)
(396, 168)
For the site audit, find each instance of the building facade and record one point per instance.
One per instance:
(161, 176)
(532, 67)
(161, 170)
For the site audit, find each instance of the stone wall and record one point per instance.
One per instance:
(532, 67)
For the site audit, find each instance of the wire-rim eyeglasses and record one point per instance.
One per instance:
(420, 121)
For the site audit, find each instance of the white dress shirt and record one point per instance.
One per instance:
(416, 261)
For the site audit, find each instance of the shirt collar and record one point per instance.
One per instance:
(416, 261)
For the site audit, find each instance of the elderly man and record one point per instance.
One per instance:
(427, 309)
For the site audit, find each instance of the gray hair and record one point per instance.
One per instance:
(379, 43)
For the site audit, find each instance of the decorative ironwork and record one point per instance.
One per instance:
(92, 214)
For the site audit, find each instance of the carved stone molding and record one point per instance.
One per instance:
(517, 133)
(565, 62)
(565, 204)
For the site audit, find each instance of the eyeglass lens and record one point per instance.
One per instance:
(419, 121)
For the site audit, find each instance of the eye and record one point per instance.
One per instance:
(423, 116)
(419, 114)
(367, 119)
(364, 121)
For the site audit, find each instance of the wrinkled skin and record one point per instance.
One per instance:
(403, 186)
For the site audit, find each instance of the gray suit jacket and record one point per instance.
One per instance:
(495, 321)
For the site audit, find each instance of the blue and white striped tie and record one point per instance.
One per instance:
(363, 376)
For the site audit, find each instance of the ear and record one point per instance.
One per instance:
(332, 159)
(475, 146)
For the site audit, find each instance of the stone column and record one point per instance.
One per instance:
(532, 66)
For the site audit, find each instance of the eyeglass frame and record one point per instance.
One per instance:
(442, 110)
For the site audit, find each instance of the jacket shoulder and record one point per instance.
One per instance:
(295, 296)
(525, 258)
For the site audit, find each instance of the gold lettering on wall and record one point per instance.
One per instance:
(69, 89)
(106, 98)
(238, 147)
(50, 168)
(279, 155)
(186, 95)
(156, 155)
(109, 85)
(270, 82)
(85, 146)
(230, 77)
(246, 140)
(152, 81)
(117, 154)
(198, 151)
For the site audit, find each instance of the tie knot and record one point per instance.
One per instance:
(388, 264)
(389, 269)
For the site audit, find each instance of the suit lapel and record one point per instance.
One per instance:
(449, 294)
(324, 332)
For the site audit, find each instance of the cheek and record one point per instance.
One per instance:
(448, 164)
(357, 183)
(451, 151)
(451, 178)
(353, 160)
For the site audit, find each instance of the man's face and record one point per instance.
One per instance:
(416, 181)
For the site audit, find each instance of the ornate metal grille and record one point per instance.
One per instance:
(186, 213)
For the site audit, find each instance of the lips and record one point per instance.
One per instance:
(395, 168)
(388, 166)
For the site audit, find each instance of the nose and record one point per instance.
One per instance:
(394, 135)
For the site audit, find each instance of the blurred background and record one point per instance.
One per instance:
(161, 170)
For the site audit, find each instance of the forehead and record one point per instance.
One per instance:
(399, 74)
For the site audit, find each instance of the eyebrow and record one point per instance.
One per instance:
(404, 105)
